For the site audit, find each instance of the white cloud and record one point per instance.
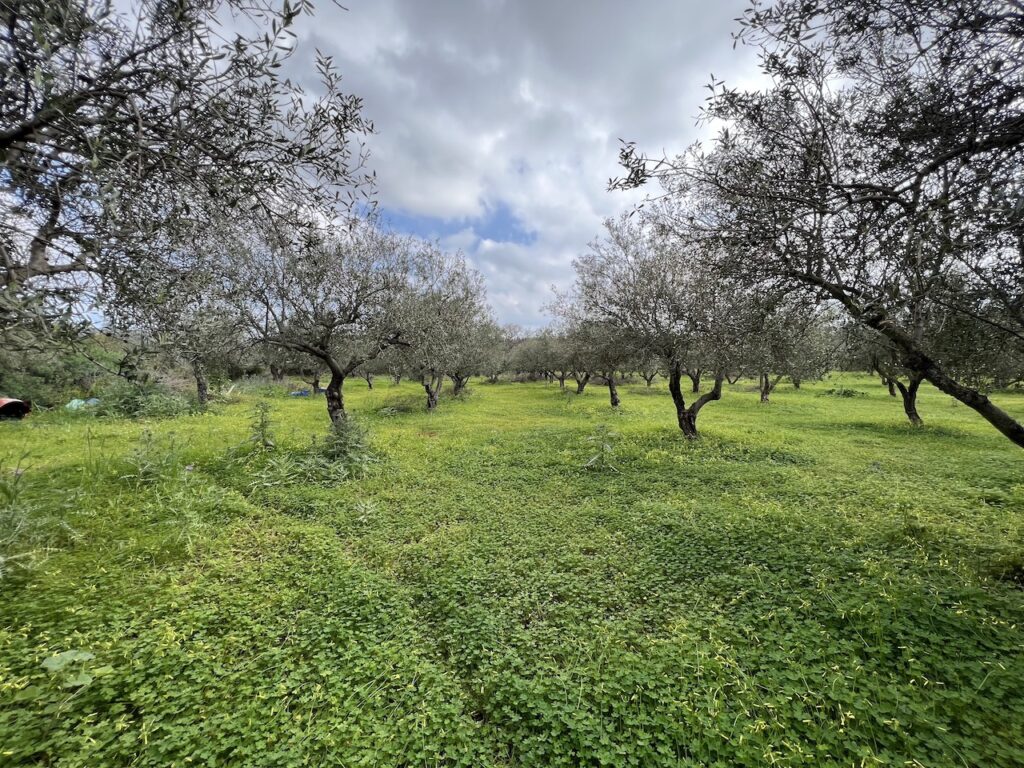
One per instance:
(518, 105)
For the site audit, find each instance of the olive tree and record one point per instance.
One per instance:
(653, 286)
(443, 313)
(125, 127)
(340, 299)
(881, 170)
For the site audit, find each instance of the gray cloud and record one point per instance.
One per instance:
(518, 105)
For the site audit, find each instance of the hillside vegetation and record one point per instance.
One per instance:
(522, 578)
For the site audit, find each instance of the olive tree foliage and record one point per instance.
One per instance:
(443, 316)
(125, 128)
(654, 287)
(340, 299)
(498, 344)
(187, 319)
(481, 353)
(882, 170)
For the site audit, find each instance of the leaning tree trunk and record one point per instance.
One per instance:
(687, 417)
(733, 379)
(335, 398)
(892, 387)
(202, 385)
(917, 360)
(613, 392)
(909, 393)
(369, 380)
(695, 380)
(433, 389)
(581, 383)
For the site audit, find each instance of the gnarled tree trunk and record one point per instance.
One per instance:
(649, 379)
(581, 382)
(459, 383)
(766, 386)
(909, 393)
(687, 416)
(695, 379)
(369, 380)
(335, 398)
(432, 385)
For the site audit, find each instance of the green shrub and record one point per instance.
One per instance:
(842, 392)
(120, 398)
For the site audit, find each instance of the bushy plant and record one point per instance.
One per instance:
(143, 399)
(603, 441)
(154, 459)
(842, 392)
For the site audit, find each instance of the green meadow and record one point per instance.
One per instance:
(523, 578)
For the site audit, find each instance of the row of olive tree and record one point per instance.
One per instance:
(882, 171)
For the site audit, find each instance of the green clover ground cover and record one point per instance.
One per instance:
(814, 583)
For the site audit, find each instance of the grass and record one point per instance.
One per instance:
(813, 583)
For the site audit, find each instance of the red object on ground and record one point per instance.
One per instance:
(14, 409)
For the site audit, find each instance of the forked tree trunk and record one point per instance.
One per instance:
(733, 379)
(649, 379)
(687, 417)
(695, 380)
(202, 385)
(561, 379)
(766, 386)
(581, 383)
(276, 373)
(613, 392)
(335, 398)
(459, 383)
(369, 380)
(433, 389)
(909, 393)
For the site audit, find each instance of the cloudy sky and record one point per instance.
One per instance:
(498, 121)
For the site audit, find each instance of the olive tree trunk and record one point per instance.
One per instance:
(687, 416)
(202, 384)
(909, 394)
(613, 391)
(432, 386)
(335, 398)
(581, 382)
(767, 386)
(459, 382)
